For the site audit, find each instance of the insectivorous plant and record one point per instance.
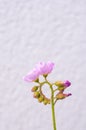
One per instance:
(57, 88)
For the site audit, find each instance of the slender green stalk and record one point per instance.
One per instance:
(52, 104)
(53, 109)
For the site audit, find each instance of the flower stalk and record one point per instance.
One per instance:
(53, 109)
(44, 69)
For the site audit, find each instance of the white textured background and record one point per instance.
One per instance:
(42, 30)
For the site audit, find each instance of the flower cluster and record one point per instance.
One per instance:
(39, 95)
(61, 87)
(44, 69)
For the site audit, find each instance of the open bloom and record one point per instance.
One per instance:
(45, 68)
(32, 76)
(40, 69)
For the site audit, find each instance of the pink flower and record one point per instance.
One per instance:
(40, 69)
(32, 76)
(45, 68)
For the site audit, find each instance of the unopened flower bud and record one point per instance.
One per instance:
(35, 88)
(62, 95)
(36, 95)
(45, 101)
(61, 88)
(67, 83)
(40, 99)
(69, 94)
(59, 84)
(48, 101)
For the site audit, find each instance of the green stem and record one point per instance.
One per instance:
(52, 102)
(53, 109)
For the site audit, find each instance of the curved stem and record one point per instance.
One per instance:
(40, 89)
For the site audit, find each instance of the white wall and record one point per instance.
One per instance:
(42, 30)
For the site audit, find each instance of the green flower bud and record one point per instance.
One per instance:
(40, 99)
(36, 94)
(45, 101)
(59, 84)
(61, 88)
(48, 101)
(35, 88)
